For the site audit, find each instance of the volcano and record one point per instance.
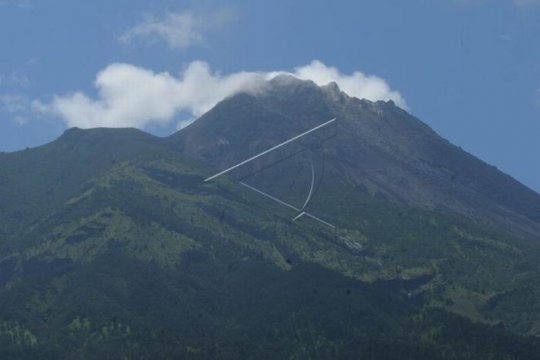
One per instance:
(113, 245)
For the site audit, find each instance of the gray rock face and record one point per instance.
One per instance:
(379, 147)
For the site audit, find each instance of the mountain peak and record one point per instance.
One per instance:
(287, 85)
(285, 79)
(379, 147)
(331, 87)
(334, 93)
(289, 82)
(105, 135)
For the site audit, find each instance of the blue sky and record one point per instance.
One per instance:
(468, 68)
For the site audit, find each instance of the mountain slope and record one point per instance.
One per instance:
(36, 180)
(129, 253)
(148, 261)
(378, 146)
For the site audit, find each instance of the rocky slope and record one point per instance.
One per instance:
(378, 147)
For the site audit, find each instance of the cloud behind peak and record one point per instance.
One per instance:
(131, 96)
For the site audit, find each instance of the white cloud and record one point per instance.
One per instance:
(183, 123)
(130, 96)
(177, 30)
(356, 84)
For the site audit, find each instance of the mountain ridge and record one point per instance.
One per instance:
(112, 245)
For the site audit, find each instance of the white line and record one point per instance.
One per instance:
(299, 215)
(269, 150)
(269, 196)
(322, 221)
(314, 218)
(302, 213)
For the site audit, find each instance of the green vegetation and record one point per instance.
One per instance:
(137, 258)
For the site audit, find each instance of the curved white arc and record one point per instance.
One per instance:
(312, 186)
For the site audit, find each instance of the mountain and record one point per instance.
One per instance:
(379, 147)
(113, 245)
